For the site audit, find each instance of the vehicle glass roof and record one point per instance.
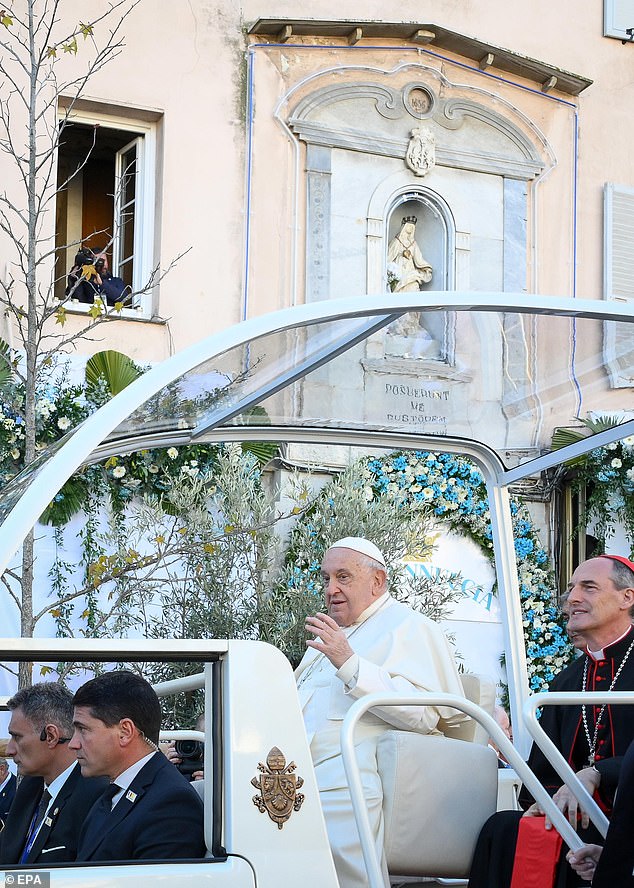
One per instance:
(501, 378)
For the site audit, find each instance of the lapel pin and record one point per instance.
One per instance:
(48, 821)
(130, 796)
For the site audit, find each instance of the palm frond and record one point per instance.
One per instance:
(117, 369)
(67, 503)
(6, 364)
(564, 437)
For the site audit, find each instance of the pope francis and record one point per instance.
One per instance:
(366, 642)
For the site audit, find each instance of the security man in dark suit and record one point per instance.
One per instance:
(149, 811)
(53, 798)
(7, 791)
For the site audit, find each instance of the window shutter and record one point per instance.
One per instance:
(618, 263)
(619, 243)
(618, 15)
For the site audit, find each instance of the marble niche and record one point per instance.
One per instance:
(449, 171)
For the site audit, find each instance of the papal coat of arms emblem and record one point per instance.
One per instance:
(278, 788)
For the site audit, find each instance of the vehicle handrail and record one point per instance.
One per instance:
(372, 701)
(553, 755)
(178, 734)
(180, 685)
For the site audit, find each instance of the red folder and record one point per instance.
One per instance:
(536, 855)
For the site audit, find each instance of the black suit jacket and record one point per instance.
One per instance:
(57, 839)
(159, 817)
(617, 861)
(6, 797)
(494, 854)
(563, 724)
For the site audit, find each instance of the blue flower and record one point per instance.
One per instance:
(524, 547)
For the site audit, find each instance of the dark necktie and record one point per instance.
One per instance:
(38, 817)
(99, 813)
(105, 802)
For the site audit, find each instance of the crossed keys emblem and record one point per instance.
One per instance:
(278, 788)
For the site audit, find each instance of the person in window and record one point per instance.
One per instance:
(113, 289)
(83, 280)
(90, 277)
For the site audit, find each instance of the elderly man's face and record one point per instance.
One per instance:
(595, 608)
(350, 585)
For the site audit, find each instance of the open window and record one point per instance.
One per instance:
(105, 179)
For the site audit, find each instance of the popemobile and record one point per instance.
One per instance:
(263, 821)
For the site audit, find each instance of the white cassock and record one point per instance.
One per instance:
(395, 649)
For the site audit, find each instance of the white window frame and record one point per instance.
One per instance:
(137, 246)
(618, 16)
(145, 202)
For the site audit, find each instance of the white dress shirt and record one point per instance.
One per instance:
(126, 777)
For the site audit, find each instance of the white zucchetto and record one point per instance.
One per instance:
(358, 544)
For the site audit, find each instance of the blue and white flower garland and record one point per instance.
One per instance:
(455, 491)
